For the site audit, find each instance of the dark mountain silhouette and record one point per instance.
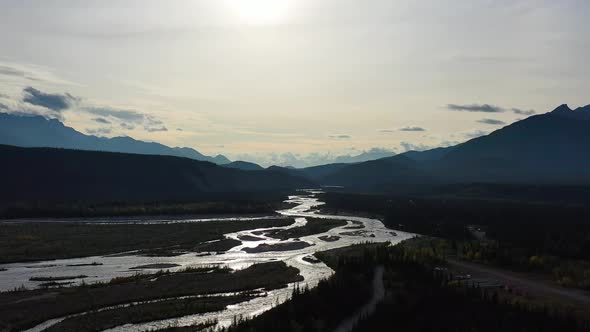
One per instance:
(45, 175)
(315, 173)
(398, 170)
(552, 148)
(372, 154)
(37, 131)
(244, 165)
(428, 155)
(314, 160)
(320, 172)
(581, 113)
(196, 155)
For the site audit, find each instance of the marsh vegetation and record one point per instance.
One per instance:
(20, 242)
(312, 227)
(23, 309)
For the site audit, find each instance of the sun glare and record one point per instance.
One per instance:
(260, 11)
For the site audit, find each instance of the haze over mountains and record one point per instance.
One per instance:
(553, 148)
(46, 175)
(37, 131)
(318, 158)
(244, 165)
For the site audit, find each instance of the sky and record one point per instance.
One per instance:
(272, 80)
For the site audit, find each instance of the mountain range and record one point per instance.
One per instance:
(244, 165)
(37, 131)
(294, 160)
(551, 148)
(32, 176)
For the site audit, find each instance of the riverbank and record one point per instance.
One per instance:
(29, 242)
(24, 309)
(417, 295)
(122, 266)
(214, 205)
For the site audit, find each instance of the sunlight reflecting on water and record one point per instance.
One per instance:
(306, 205)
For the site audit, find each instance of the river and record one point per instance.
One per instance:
(305, 205)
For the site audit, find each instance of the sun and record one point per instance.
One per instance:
(260, 11)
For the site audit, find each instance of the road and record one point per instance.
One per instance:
(378, 294)
(536, 287)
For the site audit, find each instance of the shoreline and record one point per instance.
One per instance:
(165, 218)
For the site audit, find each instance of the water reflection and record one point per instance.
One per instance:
(304, 205)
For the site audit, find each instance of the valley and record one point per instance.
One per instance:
(114, 277)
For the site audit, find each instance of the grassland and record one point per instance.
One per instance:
(313, 226)
(21, 242)
(102, 320)
(24, 309)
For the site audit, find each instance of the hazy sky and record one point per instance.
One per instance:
(269, 77)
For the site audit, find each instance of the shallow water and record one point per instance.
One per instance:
(18, 274)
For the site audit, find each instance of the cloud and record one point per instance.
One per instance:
(340, 136)
(446, 143)
(101, 120)
(10, 71)
(406, 146)
(493, 122)
(376, 151)
(487, 108)
(99, 131)
(20, 73)
(129, 119)
(127, 126)
(409, 129)
(412, 129)
(156, 129)
(315, 158)
(14, 105)
(522, 112)
(54, 102)
(131, 116)
(25, 73)
(414, 147)
(372, 154)
(52, 106)
(475, 134)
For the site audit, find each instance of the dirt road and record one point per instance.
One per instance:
(532, 285)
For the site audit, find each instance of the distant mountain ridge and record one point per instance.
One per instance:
(244, 165)
(372, 154)
(580, 113)
(551, 148)
(49, 175)
(37, 131)
(301, 161)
